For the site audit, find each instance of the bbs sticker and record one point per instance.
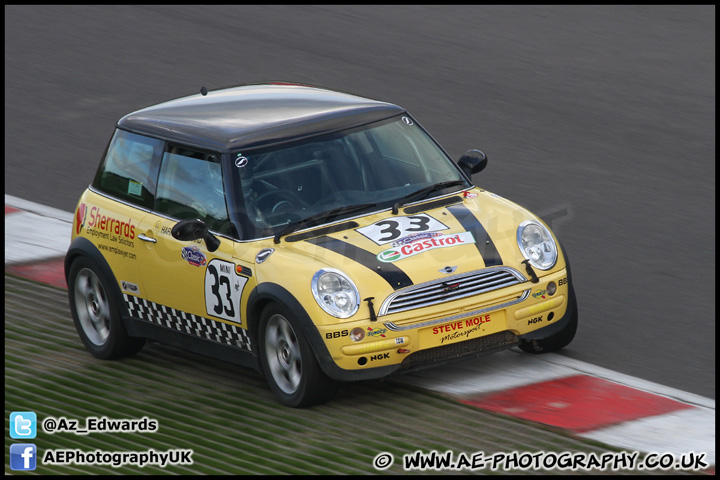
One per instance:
(223, 290)
(391, 229)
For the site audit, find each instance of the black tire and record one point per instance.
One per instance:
(96, 314)
(289, 365)
(560, 339)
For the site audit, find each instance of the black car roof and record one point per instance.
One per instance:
(250, 116)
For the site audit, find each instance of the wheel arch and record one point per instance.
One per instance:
(83, 247)
(267, 293)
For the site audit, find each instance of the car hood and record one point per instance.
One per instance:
(424, 242)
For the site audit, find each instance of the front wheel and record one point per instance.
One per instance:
(561, 338)
(95, 313)
(289, 365)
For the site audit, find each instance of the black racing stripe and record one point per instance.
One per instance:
(392, 274)
(483, 242)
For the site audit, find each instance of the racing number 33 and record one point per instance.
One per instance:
(386, 231)
(223, 290)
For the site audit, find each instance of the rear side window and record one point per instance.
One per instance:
(130, 168)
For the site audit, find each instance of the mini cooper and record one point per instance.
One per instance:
(316, 236)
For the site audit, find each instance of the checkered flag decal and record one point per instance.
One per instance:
(188, 323)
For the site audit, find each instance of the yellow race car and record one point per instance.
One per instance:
(314, 235)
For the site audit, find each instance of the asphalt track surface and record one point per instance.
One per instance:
(599, 118)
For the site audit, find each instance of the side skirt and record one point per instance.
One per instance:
(151, 331)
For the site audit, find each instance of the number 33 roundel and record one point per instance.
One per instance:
(386, 231)
(223, 290)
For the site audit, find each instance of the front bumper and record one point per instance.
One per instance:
(427, 337)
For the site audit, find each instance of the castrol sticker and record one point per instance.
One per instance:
(424, 244)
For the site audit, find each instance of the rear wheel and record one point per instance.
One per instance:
(561, 338)
(96, 315)
(289, 365)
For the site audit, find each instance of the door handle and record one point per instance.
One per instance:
(145, 238)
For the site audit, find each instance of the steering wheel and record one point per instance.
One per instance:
(284, 201)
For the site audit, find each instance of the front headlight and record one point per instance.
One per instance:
(335, 293)
(536, 244)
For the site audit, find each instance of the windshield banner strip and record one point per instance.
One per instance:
(391, 273)
(483, 242)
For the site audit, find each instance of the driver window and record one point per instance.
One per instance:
(190, 186)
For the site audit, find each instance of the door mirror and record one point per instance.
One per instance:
(473, 161)
(192, 229)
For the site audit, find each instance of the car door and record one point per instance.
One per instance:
(189, 286)
(110, 213)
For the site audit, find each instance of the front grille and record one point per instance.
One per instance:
(451, 288)
(456, 351)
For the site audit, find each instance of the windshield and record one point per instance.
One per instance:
(371, 167)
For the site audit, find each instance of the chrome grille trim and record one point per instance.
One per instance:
(432, 293)
(400, 328)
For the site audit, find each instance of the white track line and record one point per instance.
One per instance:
(677, 432)
(36, 232)
(627, 380)
(38, 209)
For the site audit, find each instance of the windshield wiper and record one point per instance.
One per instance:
(318, 218)
(423, 192)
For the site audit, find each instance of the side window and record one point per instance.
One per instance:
(129, 170)
(190, 186)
